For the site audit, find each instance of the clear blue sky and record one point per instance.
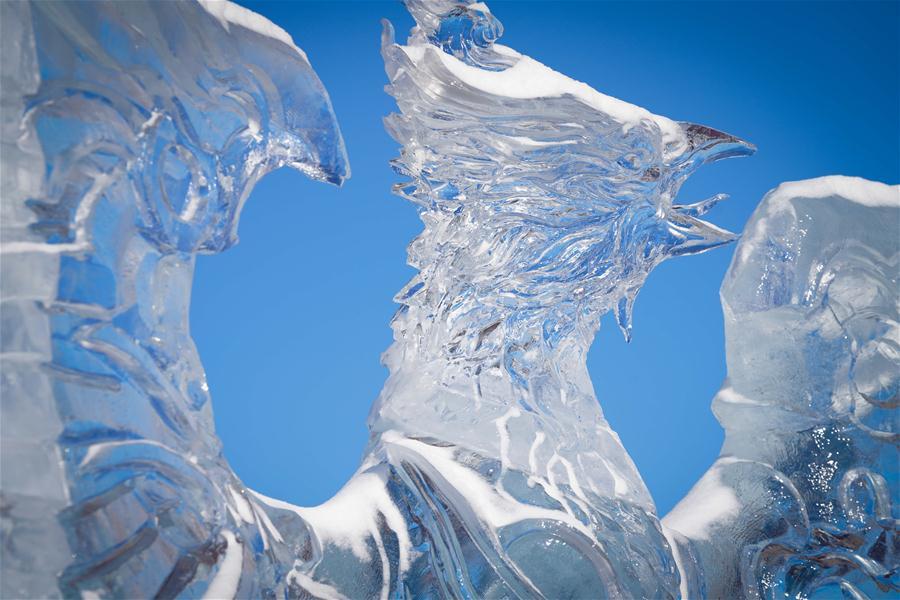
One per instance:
(291, 323)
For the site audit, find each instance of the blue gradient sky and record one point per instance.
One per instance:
(291, 323)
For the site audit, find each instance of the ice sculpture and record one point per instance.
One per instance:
(491, 471)
(132, 134)
(804, 500)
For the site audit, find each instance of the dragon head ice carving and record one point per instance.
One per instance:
(559, 217)
(572, 193)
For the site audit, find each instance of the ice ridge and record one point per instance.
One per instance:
(133, 132)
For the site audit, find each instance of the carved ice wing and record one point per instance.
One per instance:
(132, 134)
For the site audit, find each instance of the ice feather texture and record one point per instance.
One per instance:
(132, 134)
(545, 204)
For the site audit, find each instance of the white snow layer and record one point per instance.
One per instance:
(225, 582)
(709, 503)
(528, 79)
(228, 13)
(351, 516)
(855, 189)
(872, 194)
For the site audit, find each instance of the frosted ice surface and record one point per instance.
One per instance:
(804, 499)
(132, 133)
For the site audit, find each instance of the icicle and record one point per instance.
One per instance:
(623, 314)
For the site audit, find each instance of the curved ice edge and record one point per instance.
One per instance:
(872, 194)
(229, 13)
(528, 79)
(855, 189)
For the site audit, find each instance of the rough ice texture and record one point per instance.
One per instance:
(804, 500)
(491, 471)
(132, 133)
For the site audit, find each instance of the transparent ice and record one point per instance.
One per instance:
(804, 500)
(491, 468)
(132, 134)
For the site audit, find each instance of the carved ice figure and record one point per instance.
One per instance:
(491, 471)
(804, 501)
(132, 134)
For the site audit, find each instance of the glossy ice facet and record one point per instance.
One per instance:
(132, 134)
(804, 499)
(491, 471)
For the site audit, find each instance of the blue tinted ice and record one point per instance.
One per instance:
(804, 501)
(132, 134)
(491, 471)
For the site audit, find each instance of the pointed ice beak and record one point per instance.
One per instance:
(691, 234)
(707, 145)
